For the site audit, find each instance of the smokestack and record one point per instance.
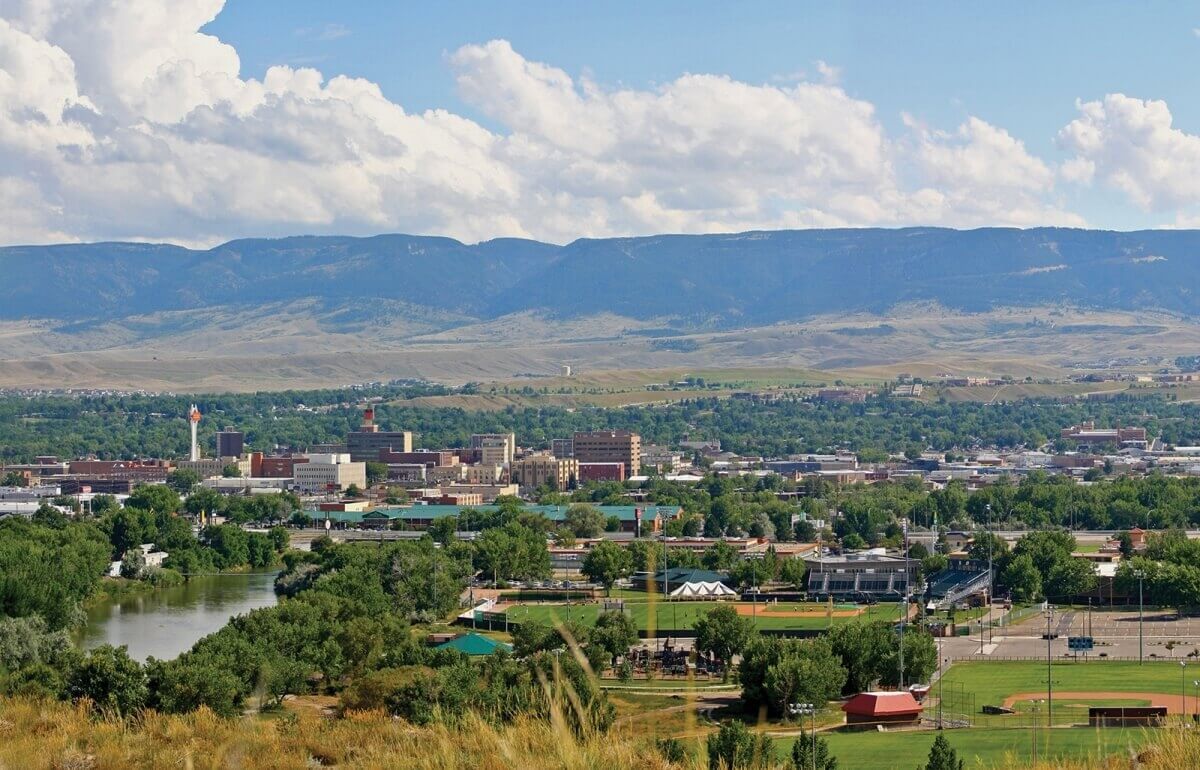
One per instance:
(194, 420)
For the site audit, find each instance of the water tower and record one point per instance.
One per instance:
(194, 420)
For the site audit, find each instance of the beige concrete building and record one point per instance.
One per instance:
(610, 446)
(488, 492)
(661, 459)
(495, 448)
(329, 473)
(446, 474)
(538, 469)
(214, 467)
(483, 474)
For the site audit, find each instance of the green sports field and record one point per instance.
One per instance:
(683, 615)
(991, 747)
(992, 682)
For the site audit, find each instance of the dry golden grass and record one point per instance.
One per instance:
(55, 736)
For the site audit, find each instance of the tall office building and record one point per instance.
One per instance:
(562, 447)
(365, 443)
(230, 443)
(610, 446)
(495, 448)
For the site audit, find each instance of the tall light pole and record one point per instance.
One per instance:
(904, 605)
(991, 544)
(1182, 694)
(1049, 678)
(1140, 575)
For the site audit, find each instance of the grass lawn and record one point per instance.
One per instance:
(683, 615)
(989, 747)
(993, 682)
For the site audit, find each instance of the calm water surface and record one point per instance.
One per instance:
(169, 621)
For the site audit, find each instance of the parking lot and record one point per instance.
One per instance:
(1163, 634)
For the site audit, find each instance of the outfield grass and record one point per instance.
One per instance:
(683, 615)
(989, 747)
(992, 682)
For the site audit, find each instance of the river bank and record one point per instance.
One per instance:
(165, 621)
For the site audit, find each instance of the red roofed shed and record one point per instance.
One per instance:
(887, 708)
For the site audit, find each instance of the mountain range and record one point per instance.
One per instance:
(706, 280)
(326, 310)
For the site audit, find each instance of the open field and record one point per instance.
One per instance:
(994, 683)
(683, 615)
(299, 345)
(987, 747)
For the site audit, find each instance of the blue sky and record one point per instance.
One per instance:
(555, 119)
(1017, 65)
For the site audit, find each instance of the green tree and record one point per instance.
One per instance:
(647, 555)
(805, 673)
(811, 751)
(723, 633)
(719, 556)
(1068, 578)
(183, 480)
(584, 520)
(185, 684)
(377, 473)
(1023, 579)
(750, 573)
(231, 471)
(605, 563)
(942, 756)
(615, 633)
(156, 498)
(794, 572)
(110, 679)
(444, 530)
(203, 500)
(864, 649)
(854, 542)
(735, 747)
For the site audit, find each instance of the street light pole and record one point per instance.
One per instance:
(1140, 575)
(904, 603)
(1049, 677)
(990, 582)
(1182, 694)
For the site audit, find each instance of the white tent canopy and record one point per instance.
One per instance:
(702, 590)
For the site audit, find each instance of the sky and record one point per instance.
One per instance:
(199, 121)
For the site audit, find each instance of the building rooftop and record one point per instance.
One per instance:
(871, 704)
(473, 644)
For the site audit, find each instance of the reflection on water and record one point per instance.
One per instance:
(169, 621)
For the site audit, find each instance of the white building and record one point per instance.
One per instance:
(329, 473)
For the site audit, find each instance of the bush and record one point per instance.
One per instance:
(110, 679)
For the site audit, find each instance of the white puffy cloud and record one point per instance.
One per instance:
(120, 119)
(981, 174)
(1131, 145)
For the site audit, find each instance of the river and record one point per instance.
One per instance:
(169, 621)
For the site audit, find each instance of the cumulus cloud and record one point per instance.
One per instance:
(1131, 145)
(120, 119)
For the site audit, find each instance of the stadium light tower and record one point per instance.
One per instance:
(194, 420)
